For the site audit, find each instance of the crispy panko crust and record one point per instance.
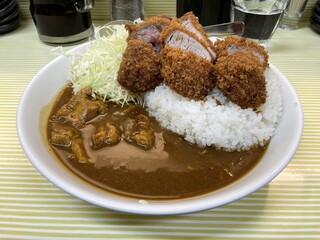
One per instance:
(221, 47)
(140, 67)
(186, 73)
(241, 78)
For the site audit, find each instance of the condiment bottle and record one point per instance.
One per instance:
(127, 10)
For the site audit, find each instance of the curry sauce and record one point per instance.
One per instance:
(149, 162)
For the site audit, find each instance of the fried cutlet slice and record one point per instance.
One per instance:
(240, 77)
(140, 67)
(187, 73)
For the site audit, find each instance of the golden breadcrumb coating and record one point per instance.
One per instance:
(241, 78)
(140, 67)
(187, 73)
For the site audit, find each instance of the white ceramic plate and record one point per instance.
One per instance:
(53, 77)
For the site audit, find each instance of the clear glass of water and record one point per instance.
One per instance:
(261, 17)
(292, 14)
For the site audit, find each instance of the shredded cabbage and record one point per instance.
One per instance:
(98, 66)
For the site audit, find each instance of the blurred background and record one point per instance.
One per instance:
(102, 9)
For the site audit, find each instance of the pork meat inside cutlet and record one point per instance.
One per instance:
(191, 22)
(233, 44)
(176, 35)
(140, 67)
(149, 31)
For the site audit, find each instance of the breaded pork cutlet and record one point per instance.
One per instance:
(186, 62)
(240, 68)
(140, 67)
(241, 78)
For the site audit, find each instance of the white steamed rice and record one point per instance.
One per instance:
(225, 126)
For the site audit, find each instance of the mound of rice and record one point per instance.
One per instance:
(222, 124)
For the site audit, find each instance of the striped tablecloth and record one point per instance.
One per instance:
(287, 208)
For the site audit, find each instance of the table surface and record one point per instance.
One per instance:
(33, 208)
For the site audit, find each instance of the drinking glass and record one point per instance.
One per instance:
(292, 14)
(62, 21)
(261, 17)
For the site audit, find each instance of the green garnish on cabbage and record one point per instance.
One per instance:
(98, 66)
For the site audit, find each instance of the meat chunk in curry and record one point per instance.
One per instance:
(106, 134)
(138, 131)
(62, 135)
(68, 137)
(81, 108)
